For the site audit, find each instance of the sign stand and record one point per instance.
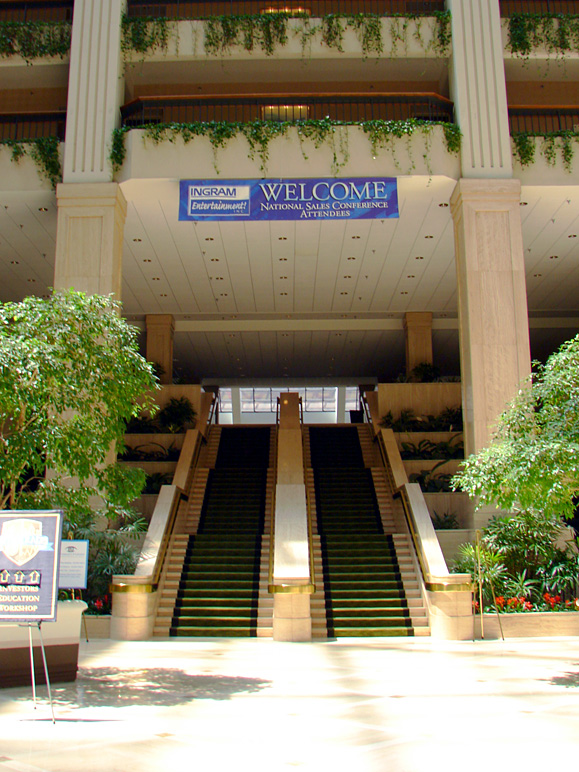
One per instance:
(30, 626)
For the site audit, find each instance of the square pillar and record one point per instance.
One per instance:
(492, 302)
(89, 238)
(418, 334)
(160, 331)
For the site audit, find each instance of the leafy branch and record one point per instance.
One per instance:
(553, 144)
(35, 39)
(557, 33)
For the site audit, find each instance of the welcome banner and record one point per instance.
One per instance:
(352, 198)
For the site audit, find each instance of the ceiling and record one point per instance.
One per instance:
(303, 299)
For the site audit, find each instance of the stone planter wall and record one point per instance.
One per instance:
(530, 625)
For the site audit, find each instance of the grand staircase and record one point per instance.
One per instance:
(365, 584)
(218, 589)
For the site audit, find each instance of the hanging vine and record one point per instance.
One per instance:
(552, 145)
(44, 152)
(34, 39)
(269, 31)
(144, 34)
(557, 33)
(259, 134)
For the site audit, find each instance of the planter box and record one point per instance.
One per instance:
(61, 639)
(451, 540)
(530, 625)
(423, 398)
(96, 626)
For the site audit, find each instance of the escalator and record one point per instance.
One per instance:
(364, 593)
(219, 584)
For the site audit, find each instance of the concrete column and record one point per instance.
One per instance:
(341, 405)
(235, 405)
(492, 302)
(418, 333)
(95, 89)
(89, 239)
(478, 90)
(160, 331)
(291, 568)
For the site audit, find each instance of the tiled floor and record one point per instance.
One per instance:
(388, 705)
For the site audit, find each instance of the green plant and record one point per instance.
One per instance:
(155, 481)
(259, 134)
(493, 573)
(44, 151)
(144, 34)
(533, 459)
(265, 30)
(150, 451)
(430, 482)
(553, 144)
(425, 372)
(177, 415)
(34, 39)
(59, 357)
(558, 33)
(445, 522)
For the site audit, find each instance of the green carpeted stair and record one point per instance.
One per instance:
(363, 588)
(218, 591)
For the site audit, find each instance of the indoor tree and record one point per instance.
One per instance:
(71, 376)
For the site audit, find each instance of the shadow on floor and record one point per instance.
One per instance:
(117, 687)
(570, 680)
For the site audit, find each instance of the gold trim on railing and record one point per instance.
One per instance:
(272, 524)
(292, 589)
(135, 588)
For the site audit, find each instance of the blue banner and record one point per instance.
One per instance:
(351, 198)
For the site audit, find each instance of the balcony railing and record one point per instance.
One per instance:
(37, 10)
(185, 9)
(543, 120)
(349, 108)
(26, 126)
(568, 7)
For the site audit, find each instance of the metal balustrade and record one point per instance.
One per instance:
(543, 120)
(567, 7)
(349, 108)
(184, 9)
(37, 10)
(26, 126)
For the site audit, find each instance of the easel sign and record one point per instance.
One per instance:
(73, 564)
(29, 565)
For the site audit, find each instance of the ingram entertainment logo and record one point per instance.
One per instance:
(215, 199)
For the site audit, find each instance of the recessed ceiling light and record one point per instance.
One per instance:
(283, 277)
(282, 238)
(444, 204)
(283, 293)
(283, 259)
(404, 293)
(15, 262)
(137, 240)
(43, 209)
(343, 293)
(572, 236)
(351, 258)
(214, 259)
(553, 257)
(356, 237)
(419, 257)
(537, 275)
(410, 276)
(146, 260)
(347, 276)
(32, 280)
(223, 294)
(523, 203)
(429, 237)
(219, 278)
(156, 278)
(209, 238)
(232, 335)
(285, 335)
(338, 334)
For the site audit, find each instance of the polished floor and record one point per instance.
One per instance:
(387, 705)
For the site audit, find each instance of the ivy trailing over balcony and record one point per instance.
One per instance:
(144, 34)
(552, 146)
(44, 151)
(557, 33)
(268, 32)
(324, 132)
(34, 39)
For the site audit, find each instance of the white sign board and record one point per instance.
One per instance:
(73, 564)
